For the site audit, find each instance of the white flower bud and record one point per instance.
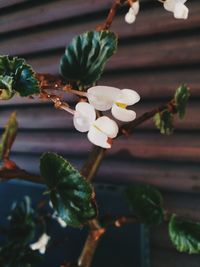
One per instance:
(130, 18)
(181, 11)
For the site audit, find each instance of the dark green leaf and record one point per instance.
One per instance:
(146, 202)
(181, 99)
(14, 255)
(164, 122)
(8, 136)
(185, 235)
(22, 225)
(85, 58)
(16, 77)
(71, 194)
(6, 87)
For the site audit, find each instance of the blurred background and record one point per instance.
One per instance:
(156, 54)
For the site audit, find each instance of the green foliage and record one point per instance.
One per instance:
(164, 122)
(85, 57)
(22, 225)
(15, 255)
(21, 231)
(6, 87)
(181, 99)
(16, 77)
(71, 194)
(185, 234)
(146, 202)
(8, 136)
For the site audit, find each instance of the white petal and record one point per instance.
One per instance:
(123, 114)
(84, 116)
(98, 138)
(107, 126)
(128, 97)
(169, 5)
(130, 18)
(61, 222)
(135, 7)
(102, 97)
(181, 11)
(42, 250)
(41, 243)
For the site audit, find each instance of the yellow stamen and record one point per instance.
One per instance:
(121, 105)
(98, 128)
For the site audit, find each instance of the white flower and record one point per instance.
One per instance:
(84, 116)
(130, 17)
(41, 244)
(100, 131)
(104, 98)
(177, 7)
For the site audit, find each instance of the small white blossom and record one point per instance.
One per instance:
(100, 131)
(41, 244)
(177, 7)
(104, 98)
(130, 17)
(84, 116)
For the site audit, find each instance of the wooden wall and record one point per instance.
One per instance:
(155, 55)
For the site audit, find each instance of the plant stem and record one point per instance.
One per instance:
(91, 244)
(92, 164)
(128, 128)
(89, 170)
(17, 173)
(113, 10)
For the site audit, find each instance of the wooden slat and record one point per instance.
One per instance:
(50, 12)
(178, 177)
(59, 37)
(154, 54)
(6, 3)
(142, 145)
(155, 84)
(50, 118)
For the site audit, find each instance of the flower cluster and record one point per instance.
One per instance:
(177, 7)
(102, 130)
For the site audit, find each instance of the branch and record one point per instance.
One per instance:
(11, 171)
(96, 231)
(128, 128)
(91, 166)
(106, 26)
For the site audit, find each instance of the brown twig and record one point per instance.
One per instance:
(11, 171)
(109, 20)
(128, 128)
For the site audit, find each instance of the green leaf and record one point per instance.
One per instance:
(146, 202)
(181, 99)
(16, 77)
(6, 85)
(164, 122)
(8, 136)
(22, 225)
(71, 194)
(14, 255)
(185, 234)
(85, 57)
